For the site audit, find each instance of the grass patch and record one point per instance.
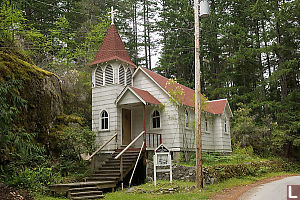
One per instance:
(186, 191)
(205, 193)
(44, 197)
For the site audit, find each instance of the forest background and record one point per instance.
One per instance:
(250, 54)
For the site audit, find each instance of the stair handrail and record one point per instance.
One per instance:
(129, 145)
(101, 147)
(137, 160)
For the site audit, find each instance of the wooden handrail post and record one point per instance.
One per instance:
(137, 160)
(144, 123)
(121, 167)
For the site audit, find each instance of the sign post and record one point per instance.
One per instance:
(162, 159)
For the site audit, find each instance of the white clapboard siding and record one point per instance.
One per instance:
(169, 113)
(103, 98)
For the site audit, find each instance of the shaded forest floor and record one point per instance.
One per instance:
(9, 193)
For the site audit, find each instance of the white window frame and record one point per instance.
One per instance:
(225, 125)
(100, 121)
(206, 124)
(160, 125)
(186, 119)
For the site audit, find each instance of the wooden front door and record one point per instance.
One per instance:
(126, 126)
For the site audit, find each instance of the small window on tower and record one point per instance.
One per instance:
(121, 75)
(99, 77)
(128, 77)
(109, 75)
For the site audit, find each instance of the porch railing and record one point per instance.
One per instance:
(124, 150)
(153, 139)
(102, 146)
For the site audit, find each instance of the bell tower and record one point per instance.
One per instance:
(112, 72)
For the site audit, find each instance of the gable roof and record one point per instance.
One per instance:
(142, 95)
(146, 96)
(112, 48)
(214, 107)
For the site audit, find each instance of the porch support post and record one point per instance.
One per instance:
(144, 123)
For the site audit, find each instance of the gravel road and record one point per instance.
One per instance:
(276, 190)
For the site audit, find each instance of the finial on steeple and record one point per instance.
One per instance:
(113, 12)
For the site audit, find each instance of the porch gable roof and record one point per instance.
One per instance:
(144, 96)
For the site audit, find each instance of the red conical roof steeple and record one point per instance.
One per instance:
(112, 48)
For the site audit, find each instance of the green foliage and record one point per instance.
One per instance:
(68, 141)
(34, 179)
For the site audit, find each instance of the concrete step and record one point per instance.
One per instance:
(88, 197)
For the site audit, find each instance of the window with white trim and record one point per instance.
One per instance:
(225, 125)
(128, 77)
(98, 77)
(206, 124)
(104, 120)
(109, 75)
(121, 75)
(156, 119)
(187, 120)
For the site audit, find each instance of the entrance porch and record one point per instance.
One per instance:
(136, 107)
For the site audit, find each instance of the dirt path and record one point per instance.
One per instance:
(235, 192)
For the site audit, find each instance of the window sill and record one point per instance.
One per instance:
(104, 130)
(155, 129)
(188, 128)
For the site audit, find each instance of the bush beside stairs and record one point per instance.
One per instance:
(105, 177)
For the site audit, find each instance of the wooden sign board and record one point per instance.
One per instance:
(162, 158)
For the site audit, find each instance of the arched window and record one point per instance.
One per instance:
(104, 120)
(225, 125)
(156, 119)
(206, 124)
(121, 75)
(99, 77)
(187, 121)
(128, 77)
(109, 75)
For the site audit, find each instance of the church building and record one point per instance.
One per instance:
(134, 111)
(128, 100)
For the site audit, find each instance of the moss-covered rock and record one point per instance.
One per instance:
(40, 88)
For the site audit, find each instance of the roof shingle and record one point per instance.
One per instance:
(146, 96)
(112, 48)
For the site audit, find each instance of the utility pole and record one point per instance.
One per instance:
(197, 100)
(203, 12)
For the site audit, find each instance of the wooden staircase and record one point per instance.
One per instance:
(108, 176)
